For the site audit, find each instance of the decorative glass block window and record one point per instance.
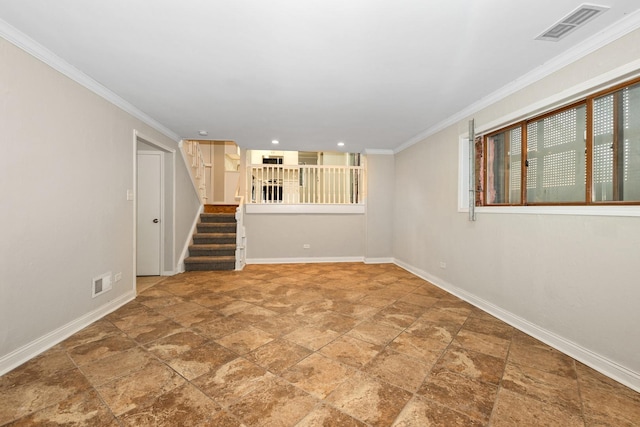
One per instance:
(556, 150)
(616, 146)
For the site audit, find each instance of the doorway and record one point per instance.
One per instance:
(154, 184)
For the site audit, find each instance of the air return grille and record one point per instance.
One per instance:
(572, 21)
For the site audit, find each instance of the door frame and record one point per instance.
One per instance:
(168, 230)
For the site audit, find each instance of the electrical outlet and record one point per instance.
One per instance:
(117, 277)
(443, 264)
(306, 246)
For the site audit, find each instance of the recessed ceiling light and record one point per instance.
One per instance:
(203, 133)
(340, 144)
(275, 141)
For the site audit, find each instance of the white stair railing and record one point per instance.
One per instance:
(195, 160)
(305, 184)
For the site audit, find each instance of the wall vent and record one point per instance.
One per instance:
(100, 284)
(571, 22)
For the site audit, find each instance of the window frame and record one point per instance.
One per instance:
(588, 200)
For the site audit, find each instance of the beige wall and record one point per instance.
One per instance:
(280, 237)
(570, 279)
(380, 200)
(66, 165)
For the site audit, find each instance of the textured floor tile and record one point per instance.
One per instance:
(483, 343)
(312, 337)
(493, 327)
(333, 321)
(399, 369)
(472, 364)
(132, 318)
(274, 404)
(607, 402)
(514, 409)
(443, 332)
(183, 406)
(231, 381)
(19, 400)
(152, 331)
(254, 314)
(117, 365)
(155, 298)
(399, 314)
(171, 346)
(377, 301)
(317, 375)
(244, 341)
(219, 327)
(324, 416)
(201, 360)
(444, 316)
(278, 355)
(374, 332)
(463, 394)
(83, 409)
(210, 300)
(423, 412)
(419, 299)
(542, 385)
(236, 306)
(543, 357)
(356, 310)
(426, 350)
(139, 388)
(351, 351)
(50, 362)
(194, 317)
(365, 398)
(105, 347)
(94, 332)
(280, 325)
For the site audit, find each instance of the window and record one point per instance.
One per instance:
(585, 153)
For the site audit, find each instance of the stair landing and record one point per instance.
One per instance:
(220, 208)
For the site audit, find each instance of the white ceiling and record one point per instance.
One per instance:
(371, 73)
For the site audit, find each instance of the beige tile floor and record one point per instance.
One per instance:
(307, 345)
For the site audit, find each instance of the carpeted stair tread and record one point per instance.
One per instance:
(209, 259)
(213, 246)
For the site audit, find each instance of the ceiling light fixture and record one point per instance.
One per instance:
(203, 133)
(275, 141)
(340, 144)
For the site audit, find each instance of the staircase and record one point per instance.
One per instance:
(214, 243)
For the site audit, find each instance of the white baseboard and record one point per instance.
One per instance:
(596, 361)
(378, 260)
(309, 260)
(45, 342)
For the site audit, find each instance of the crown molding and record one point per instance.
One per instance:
(590, 45)
(33, 48)
(374, 151)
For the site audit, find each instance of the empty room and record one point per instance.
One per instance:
(336, 213)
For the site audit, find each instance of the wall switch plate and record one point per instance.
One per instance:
(117, 277)
(129, 195)
(443, 264)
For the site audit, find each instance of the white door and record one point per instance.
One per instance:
(149, 221)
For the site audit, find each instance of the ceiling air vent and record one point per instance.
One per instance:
(575, 19)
